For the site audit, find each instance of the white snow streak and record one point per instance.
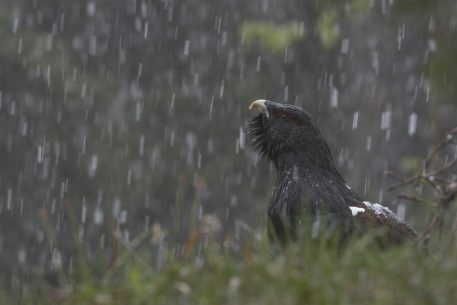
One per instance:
(356, 210)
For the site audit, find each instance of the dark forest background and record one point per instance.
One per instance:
(118, 115)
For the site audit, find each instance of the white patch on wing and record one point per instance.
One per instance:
(380, 210)
(356, 210)
(348, 187)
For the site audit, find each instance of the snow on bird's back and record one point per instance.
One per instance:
(380, 210)
(356, 210)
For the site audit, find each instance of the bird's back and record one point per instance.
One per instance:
(378, 218)
(329, 203)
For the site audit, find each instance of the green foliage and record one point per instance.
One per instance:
(275, 38)
(415, 6)
(442, 45)
(309, 273)
(411, 163)
(328, 29)
(358, 8)
(278, 37)
(444, 78)
(331, 12)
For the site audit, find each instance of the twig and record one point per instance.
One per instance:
(451, 191)
(405, 182)
(431, 180)
(446, 189)
(130, 248)
(410, 198)
(393, 175)
(441, 180)
(444, 168)
(452, 131)
(449, 139)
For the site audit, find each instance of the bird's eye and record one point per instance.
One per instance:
(287, 116)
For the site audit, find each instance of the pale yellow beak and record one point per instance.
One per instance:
(259, 106)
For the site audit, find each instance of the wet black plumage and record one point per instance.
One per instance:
(308, 185)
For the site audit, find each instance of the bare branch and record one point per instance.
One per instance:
(452, 131)
(433, 183)
(444, 168)
(446, 189)
(411, 198)
(405, 182)
(393, 175)
(436, 148)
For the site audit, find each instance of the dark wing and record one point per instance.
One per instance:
(368, 215)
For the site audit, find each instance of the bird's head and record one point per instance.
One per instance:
(280, 130)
